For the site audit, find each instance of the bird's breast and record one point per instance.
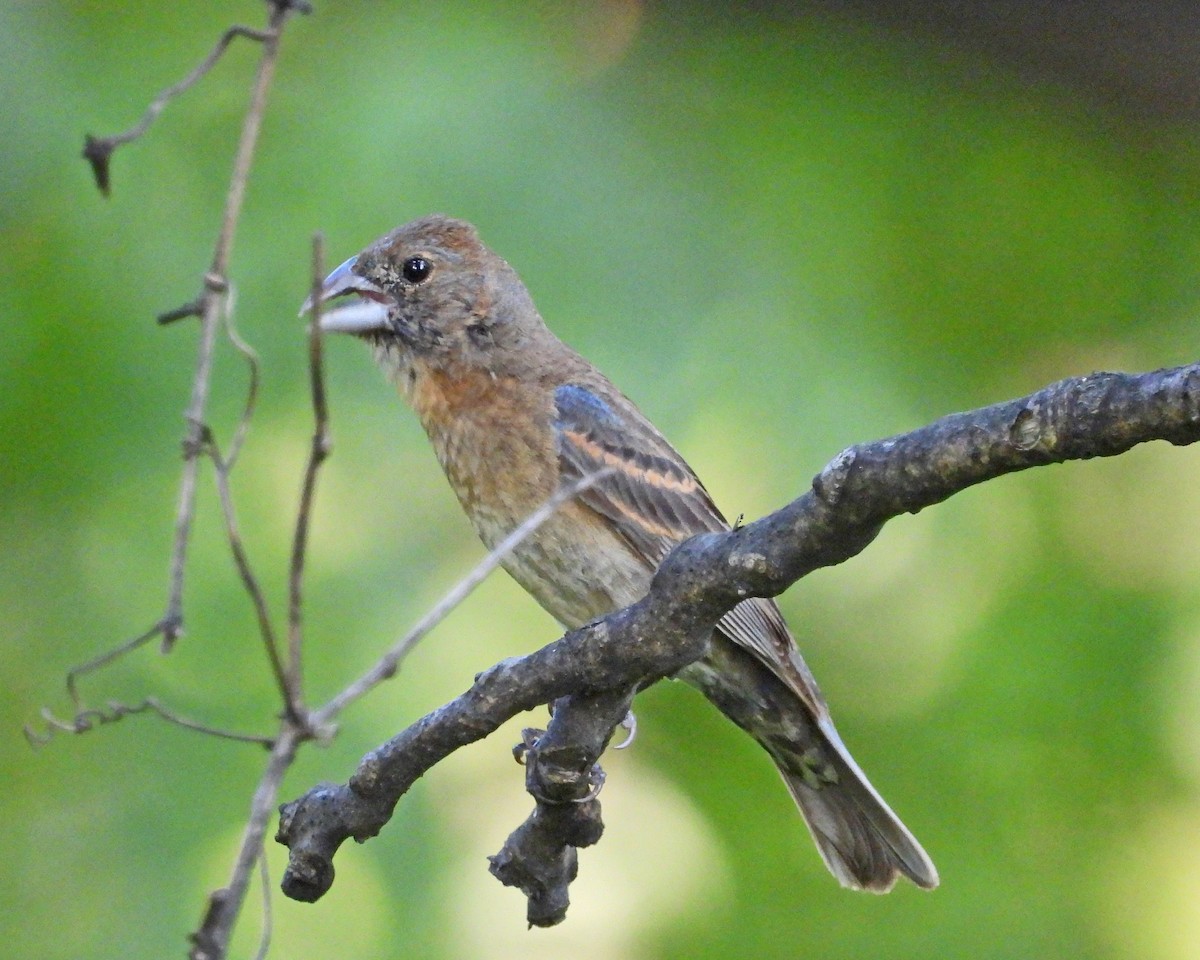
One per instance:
(495, 440)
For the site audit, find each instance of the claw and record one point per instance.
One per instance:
(529, 739)
(630, 725)
(597, 778)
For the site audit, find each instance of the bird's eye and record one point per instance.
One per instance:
(415, 269)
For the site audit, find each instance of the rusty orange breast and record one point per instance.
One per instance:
(494, 439)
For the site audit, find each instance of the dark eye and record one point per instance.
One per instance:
(415, 269)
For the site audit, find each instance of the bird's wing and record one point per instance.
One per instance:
(651, 495)
(655, 501)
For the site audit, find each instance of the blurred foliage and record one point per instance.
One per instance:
(781, 235)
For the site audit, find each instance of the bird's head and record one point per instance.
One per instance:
(431, 293)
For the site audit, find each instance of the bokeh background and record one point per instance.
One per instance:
(782, 228)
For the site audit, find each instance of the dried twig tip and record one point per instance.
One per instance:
(193, 308)
(97, 151)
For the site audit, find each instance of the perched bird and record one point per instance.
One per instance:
(513, 413)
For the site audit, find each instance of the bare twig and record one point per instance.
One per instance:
(249, 354)
(83, 669)
(98, 150)
(114, 710)
(85, 718)
(268, 920)
(211, 939)
(250, 582)
(216, 285)
(171, 624)
(318, 452)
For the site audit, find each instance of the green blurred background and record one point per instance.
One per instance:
(781, 230)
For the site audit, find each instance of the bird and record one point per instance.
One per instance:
(513, 415)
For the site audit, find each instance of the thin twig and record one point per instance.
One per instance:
(242, 561)
(192, 444)
(98, 150)
(210, 942)
(268, 919)
(222, 469)
(385, 668)
(216, 286)
(87, 719)
(104, 659)
(318, 452)
(249, 354)
(211, 939)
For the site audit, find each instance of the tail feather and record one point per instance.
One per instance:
(861, 840)
(863, 843)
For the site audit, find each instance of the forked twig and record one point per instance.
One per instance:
(211, 939)
(215, 289)
(211, 306)
(98, 151)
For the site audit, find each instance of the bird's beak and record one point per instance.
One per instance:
(367, 312)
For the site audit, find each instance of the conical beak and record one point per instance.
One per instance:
(366, 312)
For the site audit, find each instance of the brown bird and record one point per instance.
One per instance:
(513, 413)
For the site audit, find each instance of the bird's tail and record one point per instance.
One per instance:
(777, 702)
(861, 840)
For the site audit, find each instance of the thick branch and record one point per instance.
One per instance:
(1101, 414)
(1098, 415)
(561, 773)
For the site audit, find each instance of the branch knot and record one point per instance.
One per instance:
(830, 483)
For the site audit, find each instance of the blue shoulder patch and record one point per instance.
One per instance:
(576, 404)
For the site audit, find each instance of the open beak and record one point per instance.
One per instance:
(365, 312)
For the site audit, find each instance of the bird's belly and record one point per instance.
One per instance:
(577, 569)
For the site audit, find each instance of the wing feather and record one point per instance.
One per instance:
(655, 501)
